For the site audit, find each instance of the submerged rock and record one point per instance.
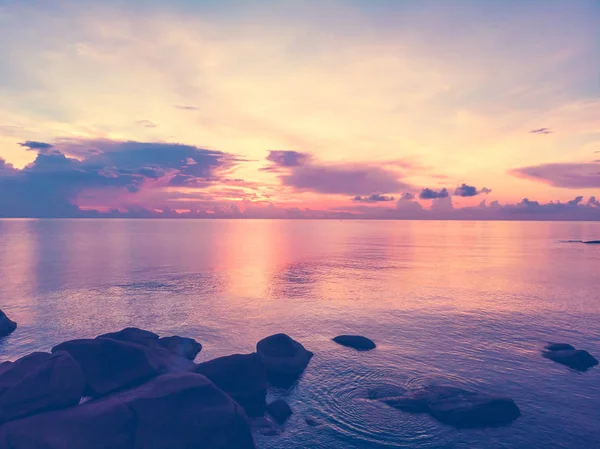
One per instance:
(355, 341)
(182, 346)
(6, 325)
(242, 376)
(565, 354)
(279, 410)
(183, 410)
(386, 391)
(457, 407)
(285, 359)
(40, 382)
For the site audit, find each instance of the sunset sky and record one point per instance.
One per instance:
(261, 108)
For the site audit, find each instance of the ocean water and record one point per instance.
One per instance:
(461, 303)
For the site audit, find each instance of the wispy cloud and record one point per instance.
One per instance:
(540, 131)
(576, 175)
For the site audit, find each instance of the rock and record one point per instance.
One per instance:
(111, 365)
(279, 410)
(242, 376)
(133, 335)
(457, 407)
(182, 346)
(558, 347)
(355, 341)
(593, 242)
(56, 381)
(11, 373)
(6, 325)
(186, 410)
(577, 359)
(386, 391)
(284, 358)
(312, 421)
(173, 411)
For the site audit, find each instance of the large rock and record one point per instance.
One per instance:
(173, 411)
(355, 341)
(284, 358)
(242, 376)
(11, 373)
(56, 381)
(6, 324)
(111, 365)
(133, 335)
(279, 410)
(457, 407)
(182, 346)
(565, 354)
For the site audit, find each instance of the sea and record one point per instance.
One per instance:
(463, 303)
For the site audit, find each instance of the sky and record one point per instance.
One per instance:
(458, 109)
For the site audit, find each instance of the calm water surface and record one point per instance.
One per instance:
(464, 303)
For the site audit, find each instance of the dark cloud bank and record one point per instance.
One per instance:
(69, 169)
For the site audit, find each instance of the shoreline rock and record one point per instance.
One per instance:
(285, 359)
(7, 326)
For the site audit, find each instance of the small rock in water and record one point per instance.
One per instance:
(6, 325)
(279, 410)
(355, 341)
(559, 347)
(312, 422)
(457, 407)
(567, 355)
(285, 359)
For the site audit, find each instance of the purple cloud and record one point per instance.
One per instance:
(373, 198)
(301, 172)
(281, 158)
(466, 190)
(576, 175)
(429, 194)
(540, 131)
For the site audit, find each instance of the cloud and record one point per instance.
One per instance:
(287, 158)
(407, 196)
(466, 190)
(302, 172)
(33, 145)
(575, 175)
(147, 123)
(373, 198)
(102, 170)
(186, 108)
(429, 194)
(541, 131)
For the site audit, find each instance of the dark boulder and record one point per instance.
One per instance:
(54, 383)
(111, 365)
(592, 242)
(577, 359)
(133, 335)
(242, 376)
(279, 410)
(355, 341)
(182, 346)
(11, 373)
(457, 407)
(6, 325)
(284, 358)
(173, 411)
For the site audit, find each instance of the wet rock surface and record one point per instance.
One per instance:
(7, 326)
(355, 341)
(457, 407)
